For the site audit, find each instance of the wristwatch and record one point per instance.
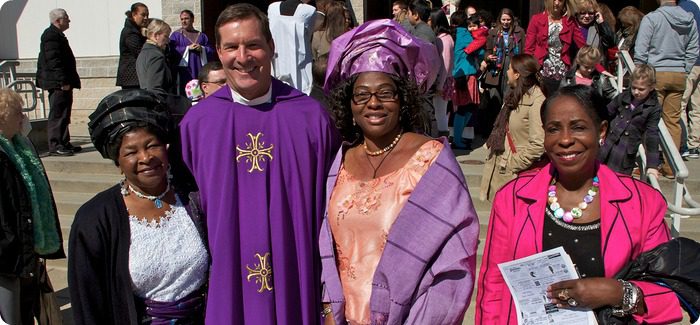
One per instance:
(630, 299)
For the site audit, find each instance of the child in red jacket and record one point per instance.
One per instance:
(479, 34)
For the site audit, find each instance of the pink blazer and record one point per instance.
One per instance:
(632, 221)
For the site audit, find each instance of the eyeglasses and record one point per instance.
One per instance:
(218, 82)
(384, 95)
(590, 13)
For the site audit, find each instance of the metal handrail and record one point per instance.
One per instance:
(20, 90)
(10, 66)
(9, 78)
(680, 191)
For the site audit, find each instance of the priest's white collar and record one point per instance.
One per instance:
(264, 99)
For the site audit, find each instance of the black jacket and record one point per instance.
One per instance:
(56, 64)
(130, 43)
(98, 266)
(601, 85)
(604, 38)
(153, 70)
(17, 256)
(675, 263)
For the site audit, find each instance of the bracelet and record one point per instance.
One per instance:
(326, 311)
(630, 299)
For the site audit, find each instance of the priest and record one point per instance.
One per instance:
(260, 151)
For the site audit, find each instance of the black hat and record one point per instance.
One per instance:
(123, 110)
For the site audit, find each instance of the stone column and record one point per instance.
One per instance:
(358, 6)
(172, 8)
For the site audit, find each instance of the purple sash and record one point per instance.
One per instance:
(188, 310)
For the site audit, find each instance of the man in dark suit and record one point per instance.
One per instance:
(56, 72)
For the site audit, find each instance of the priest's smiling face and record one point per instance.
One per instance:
(246, 55)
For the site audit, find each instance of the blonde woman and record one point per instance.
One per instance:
(594, 27)
(152, 64)
(29, 227)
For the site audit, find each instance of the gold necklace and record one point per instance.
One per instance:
(383, 150)
(376, 169)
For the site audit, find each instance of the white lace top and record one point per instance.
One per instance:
(167, 259)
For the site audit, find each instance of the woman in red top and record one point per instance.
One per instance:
(553, 39)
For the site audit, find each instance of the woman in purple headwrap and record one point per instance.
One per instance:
(398, 244)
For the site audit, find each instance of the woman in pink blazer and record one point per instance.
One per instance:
(618, 218)
(554, 54)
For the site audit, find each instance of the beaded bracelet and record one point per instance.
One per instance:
(630, 299)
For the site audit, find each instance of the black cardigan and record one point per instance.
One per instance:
(98, 260)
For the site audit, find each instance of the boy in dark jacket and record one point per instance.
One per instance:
(635, 117)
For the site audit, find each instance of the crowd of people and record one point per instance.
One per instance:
(314, 181)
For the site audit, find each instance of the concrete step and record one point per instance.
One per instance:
(70, 165)
(66, 223)
(81, 182)
(68, 203)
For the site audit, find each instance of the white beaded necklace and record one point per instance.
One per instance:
(157, 199)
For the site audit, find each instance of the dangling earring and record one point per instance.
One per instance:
(170, 175)
(353, 122)
(124, 190)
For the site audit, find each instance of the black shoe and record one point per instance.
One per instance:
(694, 153)
(467, 143)
(61, 152)
(73, 148)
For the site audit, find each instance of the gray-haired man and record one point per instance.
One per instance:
(56, 72)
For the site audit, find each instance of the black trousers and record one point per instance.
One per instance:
(60, 103)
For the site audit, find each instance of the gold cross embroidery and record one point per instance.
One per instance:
(255, 152)
(262, 272)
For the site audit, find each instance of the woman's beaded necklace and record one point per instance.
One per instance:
(385, 149)
(575, 213)
(157, 199)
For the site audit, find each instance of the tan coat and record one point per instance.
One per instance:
(528, 136)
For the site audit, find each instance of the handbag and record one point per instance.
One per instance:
(49, 312)
(490, 79)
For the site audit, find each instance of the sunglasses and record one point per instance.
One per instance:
(590, 13)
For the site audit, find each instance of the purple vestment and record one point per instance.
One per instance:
(189, 65)
(427, 270)
(261, 172)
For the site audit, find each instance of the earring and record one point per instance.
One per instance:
(601, 141)
(124, 190)
(353, 122)
(170, 175)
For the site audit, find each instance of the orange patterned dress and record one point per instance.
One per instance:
(361, 214)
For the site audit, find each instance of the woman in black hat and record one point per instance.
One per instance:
(137, 249)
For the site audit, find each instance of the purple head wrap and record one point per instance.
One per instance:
(383, 46)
